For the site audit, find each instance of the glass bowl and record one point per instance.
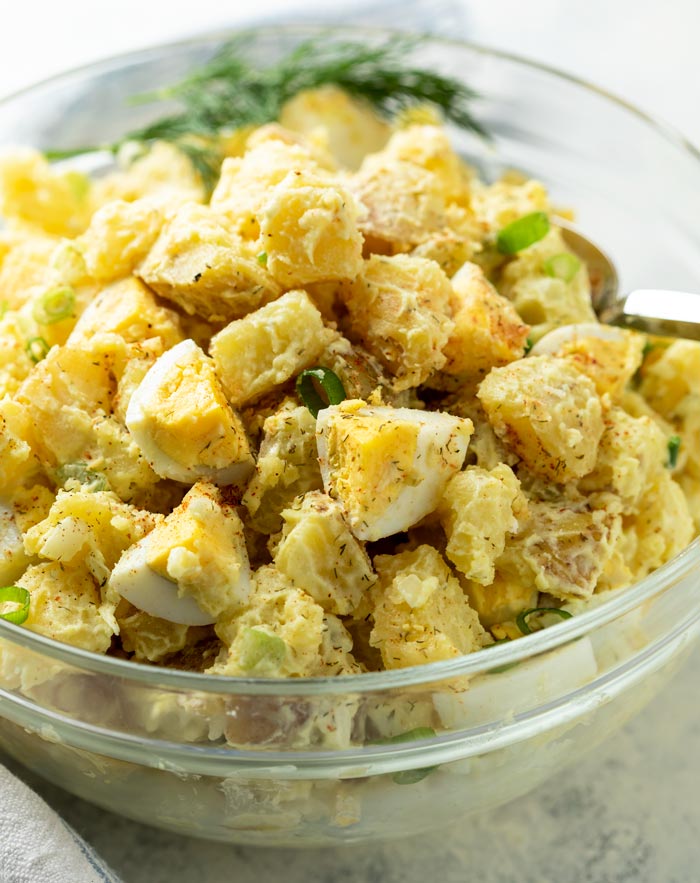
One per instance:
(155, 744)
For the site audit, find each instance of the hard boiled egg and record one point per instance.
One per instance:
(388, 466)
(551, 343)
(183, 424)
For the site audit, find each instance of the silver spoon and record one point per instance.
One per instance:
(666, 313)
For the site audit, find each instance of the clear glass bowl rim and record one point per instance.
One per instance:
(620, 603)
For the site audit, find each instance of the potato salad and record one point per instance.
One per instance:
(349, 411)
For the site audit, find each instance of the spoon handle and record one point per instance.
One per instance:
(666, 313)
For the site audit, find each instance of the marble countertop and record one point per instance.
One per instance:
(628, 814)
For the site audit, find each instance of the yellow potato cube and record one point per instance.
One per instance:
(255, 354)
(487, 332)
(149, 638)
(421, 613)
(119, 237)
(399, 309)
(501, 600)
(308, 230)
(128, 309)
(318, 553)
(17, 458)
(24, 268)
(477, 513)
(209, 271)
(548, 413)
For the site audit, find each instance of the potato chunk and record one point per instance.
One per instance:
(119, 236)
(66, 606)
(129, 310)
(421, 613)
(502, 599)
(548, 412)
(488, 331)
(399, 309)
(388, 466)
(318, 553)
(563, 549)
(477, 512)
(199, 264)
(265, 349)
(308, 230)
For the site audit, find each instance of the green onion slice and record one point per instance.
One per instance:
(261, 258)
(37, 349)
(522, 618)
(562, 266)
(523, 233)
(674, 446)
(529, 343)
(258, 645)
(54, 306)
(15, 595)
(89, 479)
(410, 777)
(314, 381)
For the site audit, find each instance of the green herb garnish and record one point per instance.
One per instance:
(314, 381)
(523, 233)
(37, 349)
(54, 305)
(562, 266)
(15, 595)
(529, 343)
(261, 258)
(674, 446)
(259, 646)
(522, 620)
(228, 93)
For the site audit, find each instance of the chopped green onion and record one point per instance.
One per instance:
(529, 343)
(4, 307)
(15, 595)
(522, 618)
(648, 347)
(308, 383)
(54, 306)
(674, 445)
(258, 645)
(78, 183)
(37, 349)
(89, 479)
(562, 266)
(523, 233)
(261, 258)
(409, 777)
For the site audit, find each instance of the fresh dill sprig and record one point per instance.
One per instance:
(228, 93)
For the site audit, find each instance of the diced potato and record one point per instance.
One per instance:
(201, 547)
(610, 364)
(404, 204)
(13, 558)
(548, 412)
(129, 310)
(350, 127)
(632, 451)
(65, 605)
(164, 174)
(199, 264)
(501, 600)
(487, 332)
(499, 204)
(545, 301)
(388, 466)
(33, 193)
(308, 230)
(24, 268)
(562, 549)
(477, 512)
(278, 635)
(17, 458)
(15, 362)
(421, 613)
(361, 373)
(671, 376)
(265, 349)
(245, 183)
(448, 248)
(31, 504)
(318, 553)
(399, 309)
(287, 466)
(662, 528)
(89, 528)
(150, 639)
(119, 237)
